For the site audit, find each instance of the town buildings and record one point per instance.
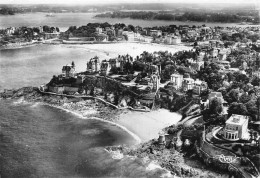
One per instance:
(172, 39)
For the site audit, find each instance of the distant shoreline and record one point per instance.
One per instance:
(188, 21)
(18, 46)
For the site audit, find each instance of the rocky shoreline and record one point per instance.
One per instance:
(89, 108)
(183, 163)
(179, 163)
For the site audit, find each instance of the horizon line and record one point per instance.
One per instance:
(114, 2)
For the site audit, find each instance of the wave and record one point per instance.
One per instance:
(154, 165)
(115, 154)
(20, 101)
(34, 105)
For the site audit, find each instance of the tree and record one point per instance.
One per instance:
(215, 106)
(252, 109)
(258, 106)
(244, 98)
(255, 81)
(46, 29)
(131, 28)
(237, 108)
(168, 71)
(210, 74)
(233, 96)
(37, 30)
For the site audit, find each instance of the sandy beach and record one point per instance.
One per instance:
(142, 126)
(148, 125)
(110, 50)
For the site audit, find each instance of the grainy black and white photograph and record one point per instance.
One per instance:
(129, 89)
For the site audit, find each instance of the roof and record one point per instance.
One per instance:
(189, 79)
(176, 75)
(199, 82)
(155, 30)
(67, 67)
(102, 35)
(215, 94)
(236, 119)
(223, 62)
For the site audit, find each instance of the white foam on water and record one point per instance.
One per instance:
(20, 101)
(154, 165)
(115, 154)
(34, 105)
(96, 118)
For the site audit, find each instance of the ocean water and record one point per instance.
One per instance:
(33, 66)
(40, 141)
(64, 20)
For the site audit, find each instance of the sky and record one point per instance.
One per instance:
(121, 1)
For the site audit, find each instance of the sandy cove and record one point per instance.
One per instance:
(142, 126)
(148, 125)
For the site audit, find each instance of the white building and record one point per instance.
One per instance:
(176, 40)
(147, 39)
(188, 84)
(199, 86)
(155, 33)
(93, 65)
(10, 31)
(171, 39)
(236, 128)
(68, 71)
(154, 82)
(130, 36)
(105, 68)
(197, 65)
(177, 79)
(99, 30)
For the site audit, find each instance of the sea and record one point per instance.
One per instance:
(41, 141)
(65, 20)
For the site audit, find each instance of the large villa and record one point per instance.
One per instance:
(236, 128)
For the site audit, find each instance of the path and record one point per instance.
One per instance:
(97, 98)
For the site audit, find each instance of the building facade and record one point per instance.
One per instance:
(188, 84)
(105, 68)
(236, 128)
(177, 80)
(199, 86)
(68, 71)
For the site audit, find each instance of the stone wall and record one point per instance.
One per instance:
(212, 161)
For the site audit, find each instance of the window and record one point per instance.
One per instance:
(236, 128)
